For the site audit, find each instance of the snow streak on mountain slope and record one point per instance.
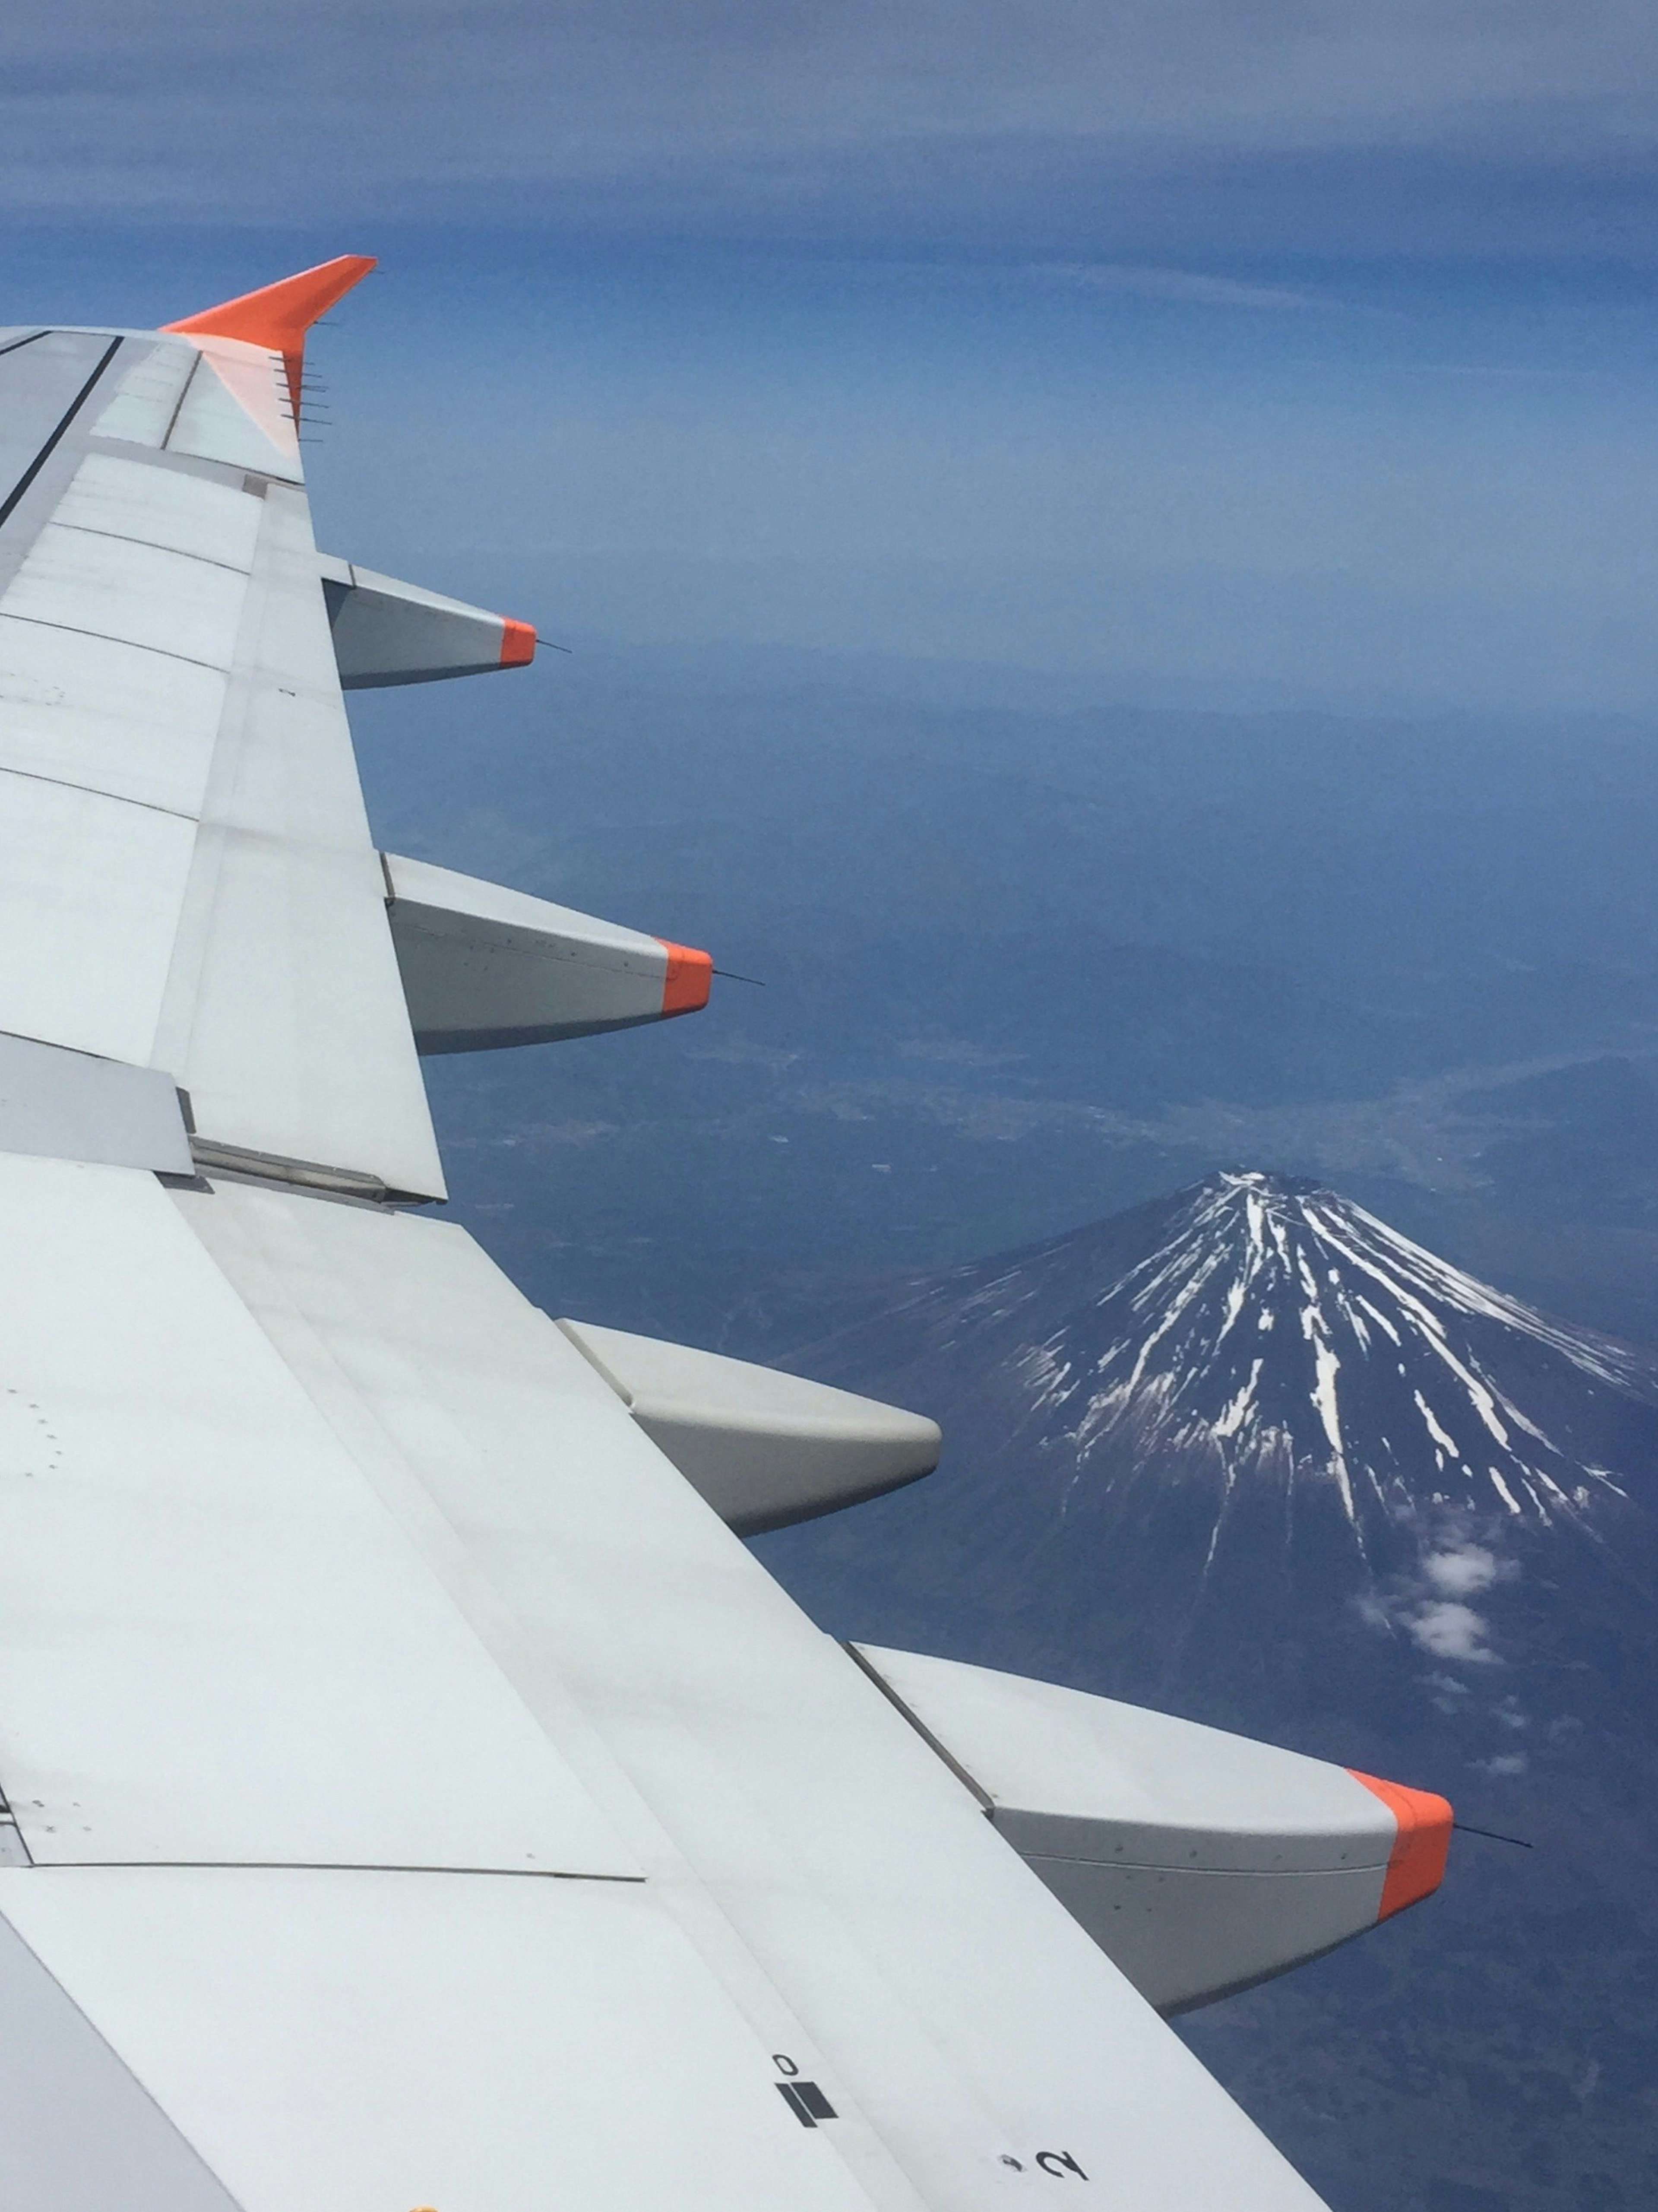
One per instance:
(1251, 1445)
(1281, 1332)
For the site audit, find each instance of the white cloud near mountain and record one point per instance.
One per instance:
(1460, 1571)
(1432, 1606)
(1446, 1630)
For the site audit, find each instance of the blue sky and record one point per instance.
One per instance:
(1237, 353)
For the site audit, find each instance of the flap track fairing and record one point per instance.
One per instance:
(386, 633)
(1200, 1863)
(764, 1450)
(484, 966)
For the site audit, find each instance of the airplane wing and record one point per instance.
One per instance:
(415, 1795)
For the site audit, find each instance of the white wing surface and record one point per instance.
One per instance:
(415, 1794)
(186, 877)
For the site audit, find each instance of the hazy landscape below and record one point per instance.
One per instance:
(1028, 956)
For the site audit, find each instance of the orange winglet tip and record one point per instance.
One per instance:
(277, 316)
(1416, 1865)
(518, 643)
(689, 978)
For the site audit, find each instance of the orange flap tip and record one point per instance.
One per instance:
(1416, 1865)
(277, 316)
(518, 643)
(689, 978)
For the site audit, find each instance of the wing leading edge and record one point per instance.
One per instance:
(415, 1794)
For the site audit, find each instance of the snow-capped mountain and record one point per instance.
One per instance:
(1282, 1335)
(1248, 1448)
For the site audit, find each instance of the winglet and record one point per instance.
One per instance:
(278, 316)
(1416, 1864)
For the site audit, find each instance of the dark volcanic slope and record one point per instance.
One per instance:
(1280, 1335)
(1265, 1333)
(1248, 1434)
(1246, 1454)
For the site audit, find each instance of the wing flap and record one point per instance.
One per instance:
(189, 881)
(218, 1646)
(834, 1873)
(284, 1015)
(391, 2040)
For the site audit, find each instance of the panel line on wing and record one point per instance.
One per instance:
(184, 390)
(277, 1276)
(51, 445)
(78, 783)
(324, 1866)
(125, 538)
(235, 474)
(113, 637)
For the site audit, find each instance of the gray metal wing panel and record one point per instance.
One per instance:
(216, 1644)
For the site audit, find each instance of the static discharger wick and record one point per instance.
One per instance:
(1491, 1836)
(732, 976)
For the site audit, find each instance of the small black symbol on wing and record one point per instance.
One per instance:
(1057, 2163)
(807, 2102)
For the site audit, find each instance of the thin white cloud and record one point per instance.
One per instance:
(1460, 1571)
(1430, 1606)
(1183, 286)
(1446, 1630)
